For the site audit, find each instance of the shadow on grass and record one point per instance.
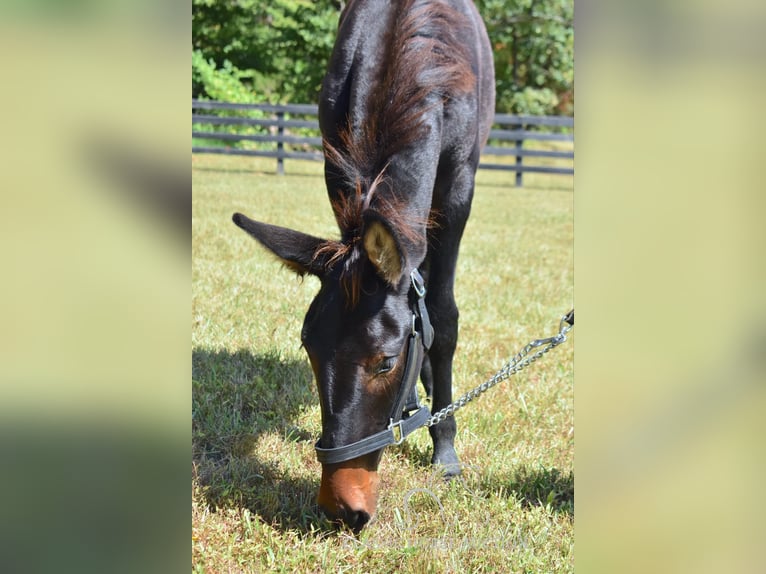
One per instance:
(420, 457)
(236, 397)
(536, 487)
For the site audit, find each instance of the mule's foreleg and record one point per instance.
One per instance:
(453, 194)
(445, 318)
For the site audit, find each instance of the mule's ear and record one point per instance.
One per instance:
(384, 251)
(295, 249)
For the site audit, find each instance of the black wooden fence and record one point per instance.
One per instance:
(292, 132)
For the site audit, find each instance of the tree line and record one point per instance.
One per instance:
(276, 51)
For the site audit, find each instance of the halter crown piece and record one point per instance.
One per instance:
(402, 420)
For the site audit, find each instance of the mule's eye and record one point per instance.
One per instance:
(385, 365)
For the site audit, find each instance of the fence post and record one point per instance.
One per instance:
(280, 145)
(519, 159)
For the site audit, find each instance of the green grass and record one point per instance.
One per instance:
(256, 414)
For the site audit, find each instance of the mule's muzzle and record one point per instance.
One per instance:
(353, 519)
(348, 493)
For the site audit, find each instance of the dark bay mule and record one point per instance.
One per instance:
(405, 109)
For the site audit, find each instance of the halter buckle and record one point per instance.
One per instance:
(396, 431)
(417, 283)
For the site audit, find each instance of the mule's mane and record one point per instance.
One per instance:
(426, 62)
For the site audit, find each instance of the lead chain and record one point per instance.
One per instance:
(520, 361)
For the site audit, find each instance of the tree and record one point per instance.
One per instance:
(533, 44)
(279, 48)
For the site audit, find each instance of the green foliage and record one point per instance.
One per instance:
(284, 43)
(227, 83)
(533, 44)
(278, 50)
(531, 101)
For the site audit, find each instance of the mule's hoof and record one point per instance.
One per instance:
(448, 464)
(451, 470)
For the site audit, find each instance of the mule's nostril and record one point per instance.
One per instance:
(356, 519)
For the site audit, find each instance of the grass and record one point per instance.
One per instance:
(255, 413)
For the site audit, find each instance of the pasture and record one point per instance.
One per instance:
(255, 413)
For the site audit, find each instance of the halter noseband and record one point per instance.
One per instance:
(406, 401)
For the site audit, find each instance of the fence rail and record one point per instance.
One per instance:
(269, 124)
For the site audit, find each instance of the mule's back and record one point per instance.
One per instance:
(406, 78)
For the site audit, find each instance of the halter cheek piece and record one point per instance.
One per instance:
(406, 401)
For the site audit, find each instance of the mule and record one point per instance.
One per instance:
(405, 109)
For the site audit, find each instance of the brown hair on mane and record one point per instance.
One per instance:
(349, 211)
(426, 63)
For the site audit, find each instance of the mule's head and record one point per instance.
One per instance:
(355, 333)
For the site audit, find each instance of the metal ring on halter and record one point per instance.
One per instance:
(417, 283)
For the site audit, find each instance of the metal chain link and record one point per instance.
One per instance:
(516, 364)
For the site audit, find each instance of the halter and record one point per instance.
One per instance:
(400, 426)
